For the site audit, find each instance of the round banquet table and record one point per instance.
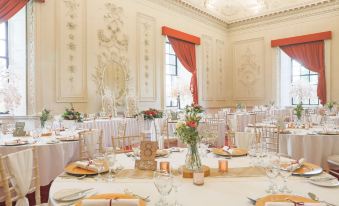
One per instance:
(308, 144)
(52, 157)
(217, 190)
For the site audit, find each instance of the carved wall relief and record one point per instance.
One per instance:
(146, 57)
(71, 51)
(249, 73)
(220, 70)
(207, 68)
(112, 73)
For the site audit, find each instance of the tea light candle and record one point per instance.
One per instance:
(165, 166)
(223, 165)
(198, 177)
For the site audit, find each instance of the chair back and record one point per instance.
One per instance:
(90, 143)
(270, 138)
(126, 143)
(209, 130)
(7, 180)
(122, 128)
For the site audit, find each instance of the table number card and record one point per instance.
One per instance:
(19, 129)
(148, 150)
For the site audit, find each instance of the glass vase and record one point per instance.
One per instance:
(193, 161)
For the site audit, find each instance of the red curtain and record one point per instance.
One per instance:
(185, 52)
(311, 55)
(10, 7)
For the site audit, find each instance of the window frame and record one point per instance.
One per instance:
(6, 57)
(309, 74)
(172, 75)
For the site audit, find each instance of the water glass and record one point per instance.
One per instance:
(286, 169)
(99, 161)
(111, 160)
(163, 181)
(177, 174)
(272, 171)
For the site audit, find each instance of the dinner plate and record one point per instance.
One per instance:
(113, 196)
(329, 133)
(282, 198)
(326, 183)
(237, 152)
(72, 169)
(15, 144)
(308, 169)
(58, 196)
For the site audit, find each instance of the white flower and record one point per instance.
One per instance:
(302, 91)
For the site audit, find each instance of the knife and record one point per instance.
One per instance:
(75, 193)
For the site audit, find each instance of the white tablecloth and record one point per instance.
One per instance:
(216, 191)
(52, 157)
(314, 148)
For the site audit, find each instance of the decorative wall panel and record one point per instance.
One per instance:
(146, 34)
(71, 71)
(249, 73)
(207, 68)
(220, 70)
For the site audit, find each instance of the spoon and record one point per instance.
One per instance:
(315, 198)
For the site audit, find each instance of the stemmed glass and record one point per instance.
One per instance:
(99, 160)
(163, 181)
(272, 171)
(286, 169)
(111, 160)
(177, 182)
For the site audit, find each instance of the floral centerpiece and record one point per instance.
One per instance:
(240, 107)
(298, 110)
(187, 131)
(330, 105)
(151, 114)
(9, 93)
(72, 114)
(45, 116)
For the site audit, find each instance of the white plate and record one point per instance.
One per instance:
(328, 183)
(58, 196)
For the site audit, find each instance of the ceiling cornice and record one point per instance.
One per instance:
(324, 8)
(180, 5)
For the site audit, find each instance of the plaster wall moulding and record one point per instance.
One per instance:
(249, 72)
(146, 57)
(71, 69)
(112, 73)
(208, 86)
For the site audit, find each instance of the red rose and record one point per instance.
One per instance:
(191, 124)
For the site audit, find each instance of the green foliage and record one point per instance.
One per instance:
(72, 114)
(330, 104)
(299, 110)
(45, 116)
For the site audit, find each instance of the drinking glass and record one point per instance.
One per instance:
(272, 171)
(177, 174)
(286, 169)
(99, 160)
(111, 160)
(163, 181)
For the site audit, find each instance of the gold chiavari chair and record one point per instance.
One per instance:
(122, 128)
(126, 143)
(270, 137)
(86, 141)
(209, 130)
(7, 180)
(169, 141)
(231, 125)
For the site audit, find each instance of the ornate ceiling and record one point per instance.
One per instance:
(232, 11)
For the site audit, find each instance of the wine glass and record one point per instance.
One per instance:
(111, 160)
(177, 174)
(163, 181)
(286, 169)
(272, 171)
(99, 161)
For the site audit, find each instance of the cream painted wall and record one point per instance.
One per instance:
(282, 28)
(47, 48)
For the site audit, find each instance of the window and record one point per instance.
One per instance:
(178, 80)
(13, 65)
(291, 71)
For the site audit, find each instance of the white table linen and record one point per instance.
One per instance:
(216, 191)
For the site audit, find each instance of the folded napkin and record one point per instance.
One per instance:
(296, 165)
(292, 204)
(65, 138)
(15, 141)
(112, 202)
(227, 149)
(87, 165)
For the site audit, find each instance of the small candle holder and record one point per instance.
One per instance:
(165, 166)
(198, 177)
(223, 166)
